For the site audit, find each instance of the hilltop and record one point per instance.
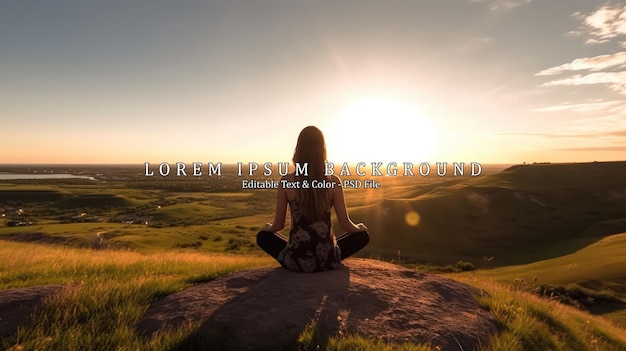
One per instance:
(271, 307)
(522, 214)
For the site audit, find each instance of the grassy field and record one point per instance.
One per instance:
(551, 227)
(109, 292)
(597, 269)
(107, 297)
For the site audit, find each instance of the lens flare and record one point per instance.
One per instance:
(412, 218)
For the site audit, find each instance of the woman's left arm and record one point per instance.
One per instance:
(281, 212)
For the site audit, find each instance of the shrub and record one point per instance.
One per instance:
(465, 266)
(195, 245)
(233, 245)
(575, 295)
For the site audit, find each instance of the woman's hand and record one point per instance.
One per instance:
(267, 227)
(361, 227)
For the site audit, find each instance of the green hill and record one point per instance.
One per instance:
(601, 261)
(94, 201)
(594, 275)
(519, 215)
(30, 195)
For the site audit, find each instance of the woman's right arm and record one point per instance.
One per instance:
(339, 203)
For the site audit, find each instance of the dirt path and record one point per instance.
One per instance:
(99, 242)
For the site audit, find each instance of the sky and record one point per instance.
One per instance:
(490, 81)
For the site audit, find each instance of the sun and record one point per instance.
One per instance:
(380, 129)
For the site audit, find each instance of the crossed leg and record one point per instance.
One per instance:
(272, 243)
(349, 243)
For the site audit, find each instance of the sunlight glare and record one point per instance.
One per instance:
(380, 129)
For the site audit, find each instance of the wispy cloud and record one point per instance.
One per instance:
(606, 23)
(473, 44)
(616, 81)
(596, 148)
(596, 63)
(582, 140)
(496, 5)
(620, 133)
(594, 106)
(602, 121)
(572, 135)
(607, 124)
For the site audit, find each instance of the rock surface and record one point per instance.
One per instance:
(372, 298)
(16, 305)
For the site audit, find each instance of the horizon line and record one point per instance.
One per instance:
(235, 163)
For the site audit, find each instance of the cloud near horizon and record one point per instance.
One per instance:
(617, 133)
(594, 106)
(616, 81)
(595, 149)
(596, 63)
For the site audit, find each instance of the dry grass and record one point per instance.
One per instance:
(112, 289)
(530, 322)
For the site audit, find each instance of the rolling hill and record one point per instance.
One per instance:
(520, 215)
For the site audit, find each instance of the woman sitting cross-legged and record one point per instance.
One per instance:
(312, 246)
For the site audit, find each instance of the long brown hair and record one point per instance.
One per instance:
(311, 149)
